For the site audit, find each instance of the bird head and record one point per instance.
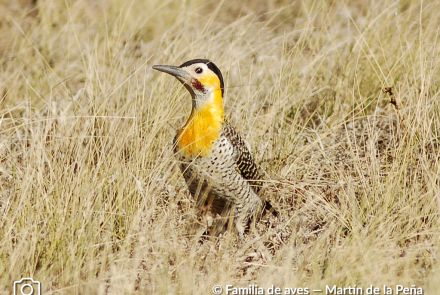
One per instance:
(201, 77)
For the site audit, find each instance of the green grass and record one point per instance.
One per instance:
(91, 200)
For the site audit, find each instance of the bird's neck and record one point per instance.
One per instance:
(203, 126)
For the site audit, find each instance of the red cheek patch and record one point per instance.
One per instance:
(197, 85)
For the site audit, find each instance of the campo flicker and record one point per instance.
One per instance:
(216, 164)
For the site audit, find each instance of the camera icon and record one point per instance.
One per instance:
(27, 286)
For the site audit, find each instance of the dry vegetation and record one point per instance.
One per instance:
(91, 201)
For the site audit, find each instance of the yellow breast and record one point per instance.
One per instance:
(202, 128)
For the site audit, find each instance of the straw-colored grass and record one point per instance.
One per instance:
(92, 202)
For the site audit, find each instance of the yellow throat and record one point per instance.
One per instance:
(204, 124)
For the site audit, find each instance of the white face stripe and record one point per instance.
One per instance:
(191, 69)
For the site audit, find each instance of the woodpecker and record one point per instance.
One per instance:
(215, 162)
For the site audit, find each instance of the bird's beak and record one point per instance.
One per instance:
(174, 71)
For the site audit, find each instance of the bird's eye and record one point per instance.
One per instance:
(199, 70)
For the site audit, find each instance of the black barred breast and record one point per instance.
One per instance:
(225, 180)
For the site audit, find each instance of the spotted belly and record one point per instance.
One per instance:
(215, 183)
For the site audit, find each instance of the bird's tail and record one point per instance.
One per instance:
(268, 208)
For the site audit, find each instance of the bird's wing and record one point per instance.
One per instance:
(245, 164)
(243, 158)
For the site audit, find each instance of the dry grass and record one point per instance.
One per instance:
(91, 201)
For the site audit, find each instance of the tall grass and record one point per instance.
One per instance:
(91, 201)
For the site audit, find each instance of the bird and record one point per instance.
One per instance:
(216, 164)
